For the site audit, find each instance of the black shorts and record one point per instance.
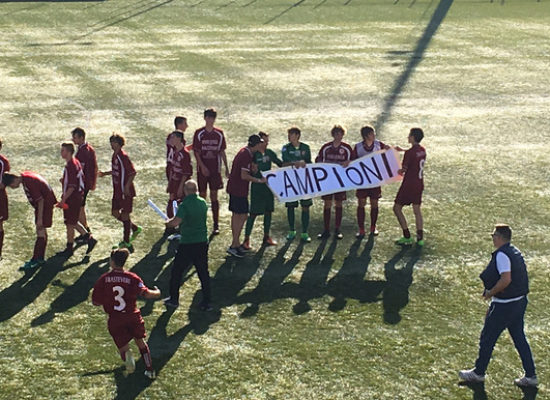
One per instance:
(84, 196)
(238, 205)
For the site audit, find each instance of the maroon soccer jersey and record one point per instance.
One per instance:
(73, 177)
(4, 166)
(360, 149)
(122, 169)
(209, 146)
(334, 155)
(237, 186)
(36, 188)
(4, 212)
(117, 291)
(413, 166)
(86, 156)
(181, 166)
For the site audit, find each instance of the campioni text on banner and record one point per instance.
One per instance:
(376, 169)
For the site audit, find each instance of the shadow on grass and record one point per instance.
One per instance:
(395, 295)
(477, 388)
(284, 12)
(418, 53)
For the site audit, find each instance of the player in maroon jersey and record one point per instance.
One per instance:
(336, 152)
(180, 124)
(4, 167)
(180, 171)
(86, 155)
(123, 173)
(42, 198)
(71, 200)
(411, 188)
(209, 148)
(117, 291)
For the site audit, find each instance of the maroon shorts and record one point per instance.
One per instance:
(71, 214)
(173, 187)
(3, 205)
(125, 327)
(405, 197)
(47, 215)
(373, 193)
(124, 205)
(340, 196)
(214, 181)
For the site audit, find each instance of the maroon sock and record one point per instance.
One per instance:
(373, 216)
(326, 219)
(338, 218)
(146, 355)
(419, 234)
(406, 233)
(1, 241)
(169, 210)
(134, 226)
(39, 247)
(127, 227)
(122, 355)
(361, 218)
(216, 213)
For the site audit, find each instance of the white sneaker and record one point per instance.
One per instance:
(150, 374)
(527, 382)
(175, 236)
(468, 375)
(130, 362)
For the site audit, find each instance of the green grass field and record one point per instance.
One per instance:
(334, 320)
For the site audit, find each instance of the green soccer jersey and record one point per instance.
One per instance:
(264, 161)
(293, 154)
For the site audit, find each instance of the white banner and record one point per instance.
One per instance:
(376, 169)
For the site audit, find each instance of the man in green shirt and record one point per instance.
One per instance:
(193, 248)
(297, 154)
(261, 197)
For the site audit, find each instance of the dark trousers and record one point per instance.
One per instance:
(502, 316)
(187, 254)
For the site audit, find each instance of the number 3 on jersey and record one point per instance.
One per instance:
(421, 168)
(118, 297)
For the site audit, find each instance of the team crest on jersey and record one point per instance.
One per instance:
(341, 151)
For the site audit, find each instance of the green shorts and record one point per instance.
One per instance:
(303, 203)
(261, 199)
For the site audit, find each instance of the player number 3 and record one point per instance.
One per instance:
(118, 297)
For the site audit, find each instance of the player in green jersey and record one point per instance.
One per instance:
(261, 197)
(297, 154)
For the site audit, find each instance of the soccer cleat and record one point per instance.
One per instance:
(25, 265)
(305, 238)
(525, 381)
(91, 244)
(323, 235)
(235, 252)
(469, 375)
(124, 245)
(130, 362)
(420, 243)
(136, 233)
(82, 239)
(150, 374)
(339, 235)
(269, 241)
(360, 234)
(36, 263)
(373, 231)
(168, 302)
(291, 235)
(246, 244)
(174, 236)
(216, 230)
(243, 250)
(405, 241)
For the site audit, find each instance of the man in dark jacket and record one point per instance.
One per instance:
(506, 285)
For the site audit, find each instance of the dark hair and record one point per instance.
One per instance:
(69, 146)
(294, 130)
(115, 137)
(417, 134)
(177, 134)
(119, 257)
(78, 132)
(504, 231)
(337, 128)
(263, 134)
(179, 120)
(0, 143)
(8, 178)
(210, 112)
(366, 131)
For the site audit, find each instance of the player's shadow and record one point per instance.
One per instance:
(477, 388)
(268, 288)
(73, 294)
(25, 290)
(395, 295)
